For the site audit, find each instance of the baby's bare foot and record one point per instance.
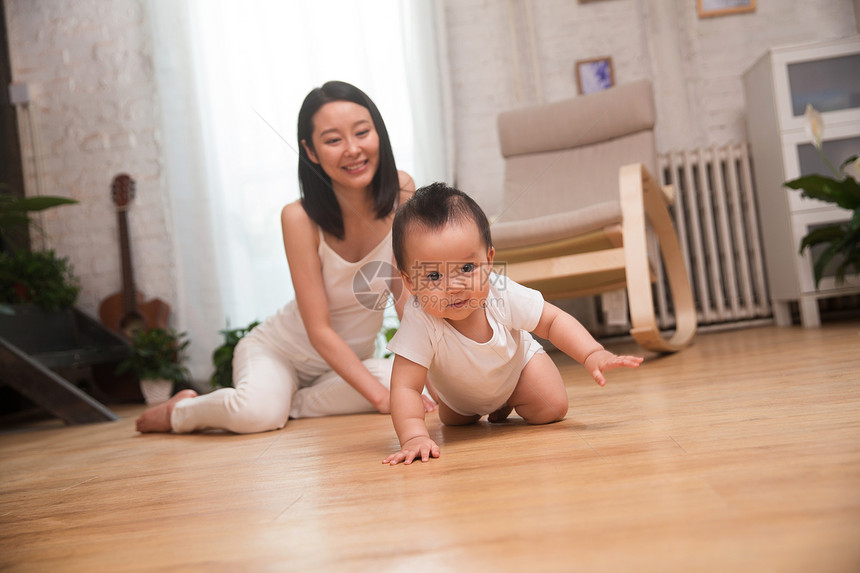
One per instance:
(157, 418)
(500, 415)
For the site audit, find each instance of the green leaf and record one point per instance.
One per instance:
(222, 357)
(822, 261)
(222, 354)
(845, 193)
(157, 353)
(850, 251)
(828, 234)
(37, 203)
(852, 188)
(13, 219)
(38, 277)
(847, 162)
(854, 223)
(843, 267)
(389, 333)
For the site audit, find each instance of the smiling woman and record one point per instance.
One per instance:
(314, 357)
(232, 75)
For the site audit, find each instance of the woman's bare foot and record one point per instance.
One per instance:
(157, 418)
(500, 415)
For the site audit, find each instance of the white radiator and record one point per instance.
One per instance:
(717, 222)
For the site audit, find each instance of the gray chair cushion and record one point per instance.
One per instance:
(556, 226)
(547, 183)
(580, 121)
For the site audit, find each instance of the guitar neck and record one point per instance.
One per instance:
(129, 300)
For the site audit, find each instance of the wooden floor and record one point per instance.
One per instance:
(741, 453)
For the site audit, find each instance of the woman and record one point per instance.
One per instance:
(314, 357)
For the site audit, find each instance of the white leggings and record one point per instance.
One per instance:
(269, 391)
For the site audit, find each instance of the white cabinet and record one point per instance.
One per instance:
(778, 87)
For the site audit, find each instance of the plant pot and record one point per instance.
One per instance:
(156, 391)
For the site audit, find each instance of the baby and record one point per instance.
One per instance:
(467, 329)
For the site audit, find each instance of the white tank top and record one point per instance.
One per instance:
(357, 295)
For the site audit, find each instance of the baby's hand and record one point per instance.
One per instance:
(599, 362)
(418, 447)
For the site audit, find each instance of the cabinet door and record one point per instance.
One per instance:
(802, 158)
(826, 76)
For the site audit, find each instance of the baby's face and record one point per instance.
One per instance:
(449, 271)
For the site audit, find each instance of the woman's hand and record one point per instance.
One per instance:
(418, 447)
(429, 404)
(383, 402)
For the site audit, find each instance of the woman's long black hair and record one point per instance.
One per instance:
(318, 197)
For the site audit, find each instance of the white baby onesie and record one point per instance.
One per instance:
(474, 377)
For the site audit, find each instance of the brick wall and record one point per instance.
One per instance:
(94, 108)
(95, 102)
(696, 64)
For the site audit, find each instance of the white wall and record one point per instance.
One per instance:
(696, 64)
(857, 13)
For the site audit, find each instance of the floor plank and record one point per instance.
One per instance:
(740, 453)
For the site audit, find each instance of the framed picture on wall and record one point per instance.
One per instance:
(594, 75)
(710, 8)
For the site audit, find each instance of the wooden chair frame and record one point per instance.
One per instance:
(640, 196)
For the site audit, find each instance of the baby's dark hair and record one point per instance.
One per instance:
(434, 206)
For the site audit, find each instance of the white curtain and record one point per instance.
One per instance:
(232, 75)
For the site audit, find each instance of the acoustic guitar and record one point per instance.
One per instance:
(128, 312)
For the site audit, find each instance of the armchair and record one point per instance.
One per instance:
(577, 189)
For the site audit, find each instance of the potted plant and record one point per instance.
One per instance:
(40, 278)
(38, 317)
(157, 360)
(840, 241)
(222, 357)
